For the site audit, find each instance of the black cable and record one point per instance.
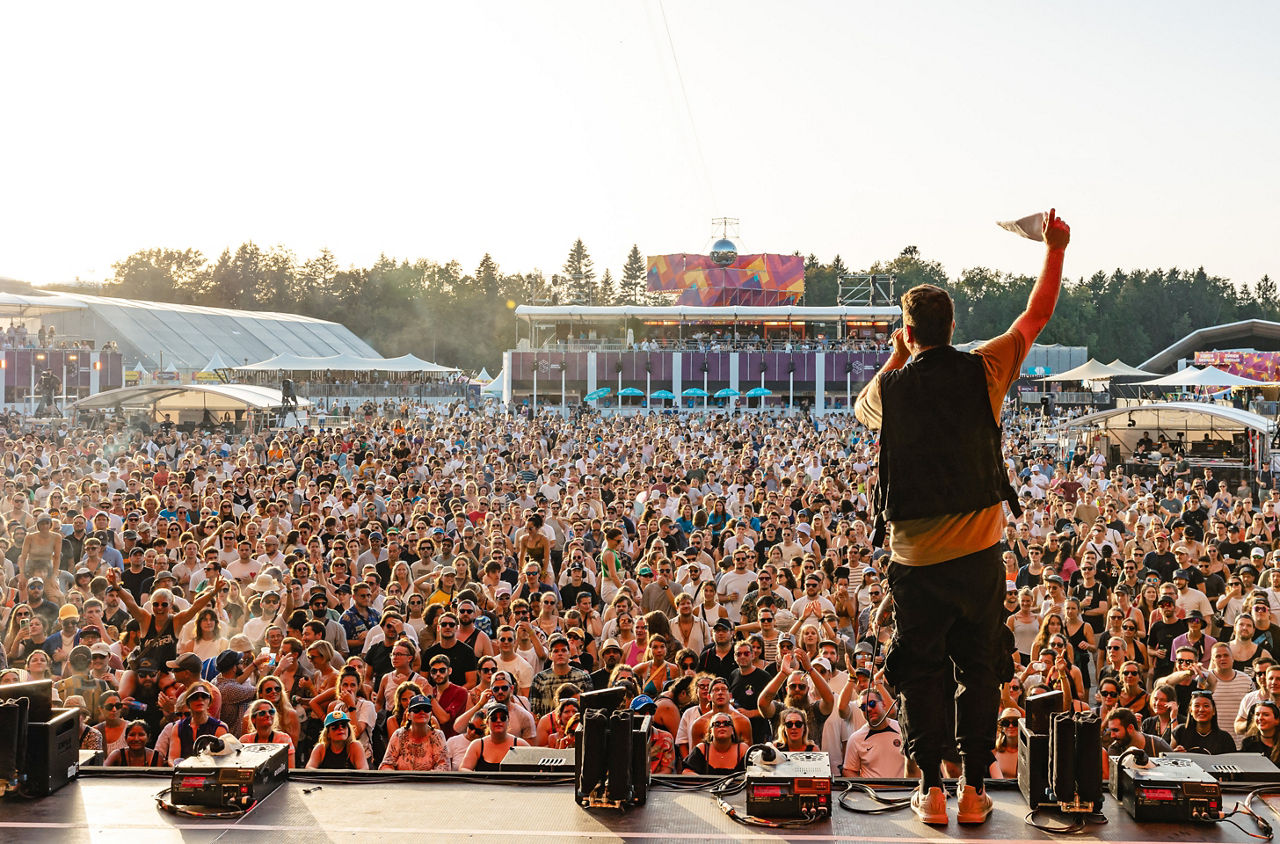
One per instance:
(1077, 825)
(1244, 808)
(199, 811)
(887, 805)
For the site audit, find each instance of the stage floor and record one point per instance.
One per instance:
(103, 809)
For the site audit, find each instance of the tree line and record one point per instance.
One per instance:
(441, 312)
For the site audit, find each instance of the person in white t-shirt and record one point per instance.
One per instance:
(735, 583)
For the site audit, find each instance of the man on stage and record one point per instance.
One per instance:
(941, 493)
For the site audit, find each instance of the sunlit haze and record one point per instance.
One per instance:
(447, 130)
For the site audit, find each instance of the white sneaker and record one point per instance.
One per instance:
(930, 806)
(973, 806)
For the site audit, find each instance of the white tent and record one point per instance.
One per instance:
(494, 387)
(484, 375)
(1210, 376)
(215, 363)
(23, 305)
(175, 398)
(1193, 420)
(1125, 369)
(344, 363)
(1090, 370)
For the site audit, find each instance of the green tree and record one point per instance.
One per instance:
(313, 283)
(275, 286)
(164, 275)
(579, 275)
(233, 281)
(606, 291)
(633, 278)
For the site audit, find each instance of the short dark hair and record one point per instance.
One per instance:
(929, 311)
(1125, 716)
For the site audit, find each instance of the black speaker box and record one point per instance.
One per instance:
(53, 752)
(1033, 766)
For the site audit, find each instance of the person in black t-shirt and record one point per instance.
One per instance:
(717, 658)
(1164, 629)
(745, 684)
(136, 577)
(1162, 561)
(463, 668)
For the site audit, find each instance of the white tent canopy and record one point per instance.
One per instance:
(1210, 376)
(1090, 370)
(344, 363)
(215, 363)
(175, 398)
(1192, 419)
(23, 305)
(494, 387)
(1124, 369)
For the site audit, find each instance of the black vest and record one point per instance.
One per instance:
(939, 443)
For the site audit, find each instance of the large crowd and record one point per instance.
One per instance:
(427, 592)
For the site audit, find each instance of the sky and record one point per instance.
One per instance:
(447, 130)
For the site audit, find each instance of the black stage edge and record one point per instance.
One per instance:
(107, 804)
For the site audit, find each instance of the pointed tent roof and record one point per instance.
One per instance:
(1126, 369)
(484, 375)
(1090, 370)
(351, 363)
(215, 363)
(494, 387)
(1210, 376)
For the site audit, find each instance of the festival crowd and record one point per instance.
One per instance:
(428, 593)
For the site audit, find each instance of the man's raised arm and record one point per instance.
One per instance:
(1044, 296)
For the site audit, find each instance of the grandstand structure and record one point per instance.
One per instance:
(162, 336)
(815, 357)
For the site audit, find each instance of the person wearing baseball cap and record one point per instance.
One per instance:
(1189, 598)
(417, 745)
(197, 700)
(338, 748)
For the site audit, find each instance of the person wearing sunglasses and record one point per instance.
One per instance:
(264, 727)
(722, 752)
(1005, 765)
(793, 732)
(112, 727)
(336, 750)
(160, 623)
(419, 745)
(197, 700)
(486, 752)
(875, 749)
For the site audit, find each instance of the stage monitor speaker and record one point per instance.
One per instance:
(1033, 766)
(1040, 709)
(53, 752)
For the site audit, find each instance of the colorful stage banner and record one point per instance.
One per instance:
(1260, 366)
(761, 280)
